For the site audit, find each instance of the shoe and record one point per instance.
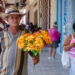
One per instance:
(49, 58)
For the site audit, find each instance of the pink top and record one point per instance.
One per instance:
(72, 50)
(54, 34)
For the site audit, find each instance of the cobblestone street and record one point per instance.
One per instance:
(45, 66)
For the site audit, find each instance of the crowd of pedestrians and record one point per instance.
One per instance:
(69, 46)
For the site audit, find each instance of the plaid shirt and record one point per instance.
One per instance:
(20, 60)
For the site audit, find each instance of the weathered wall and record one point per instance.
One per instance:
(53, 12)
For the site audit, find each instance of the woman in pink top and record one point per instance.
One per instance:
(55, 35)
(69, 45)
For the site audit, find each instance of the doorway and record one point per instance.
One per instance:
(35, 17)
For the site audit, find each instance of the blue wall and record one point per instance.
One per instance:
(59, 20)
(73, 12)
(65, 19)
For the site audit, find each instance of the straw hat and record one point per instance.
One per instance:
(10, 11)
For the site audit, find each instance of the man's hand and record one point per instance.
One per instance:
(35, 59)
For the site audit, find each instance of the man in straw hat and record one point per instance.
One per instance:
(12, 60)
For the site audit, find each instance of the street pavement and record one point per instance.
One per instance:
(46, 66)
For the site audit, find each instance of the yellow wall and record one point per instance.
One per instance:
(31, 13)
(53, 12)
(31, 9)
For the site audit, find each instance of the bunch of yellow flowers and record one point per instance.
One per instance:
(34, 42)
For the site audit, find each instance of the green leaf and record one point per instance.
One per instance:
(31, 42)
(25, 49)
(35, 53)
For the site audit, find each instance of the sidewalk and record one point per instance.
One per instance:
(45, 66)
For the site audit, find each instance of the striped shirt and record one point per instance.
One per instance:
(72, 50)
(13, 61)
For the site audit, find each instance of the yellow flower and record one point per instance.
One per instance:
(26, 35)
(30, 47)
(30, 38)
(46, 36)
(43, 32)
(49, 39)
(39, 42)
(37, 34)
(20, 42)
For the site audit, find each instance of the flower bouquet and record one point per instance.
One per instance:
(33, 43)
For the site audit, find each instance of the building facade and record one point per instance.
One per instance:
(42, 12)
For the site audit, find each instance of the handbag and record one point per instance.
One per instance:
(65, 59)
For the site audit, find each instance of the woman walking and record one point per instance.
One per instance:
(69, 45)
(55, 35)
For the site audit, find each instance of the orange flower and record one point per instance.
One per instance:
(43, 32)
(26, 35)
(30, 47)
(46, 36)
(20, 42)
(37, 34)
(39, 42)
(30, 38)
(34, 42)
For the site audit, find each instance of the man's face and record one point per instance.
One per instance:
(14, 20)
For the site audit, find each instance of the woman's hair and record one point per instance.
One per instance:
(74, 27)
(55, 25)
